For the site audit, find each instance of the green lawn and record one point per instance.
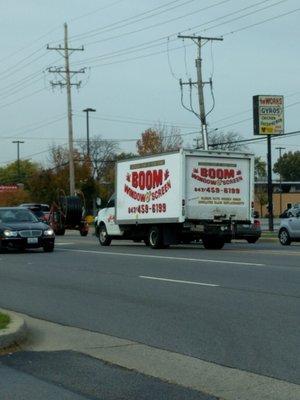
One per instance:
(4, 320)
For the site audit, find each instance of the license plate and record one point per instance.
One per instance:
(32, 240)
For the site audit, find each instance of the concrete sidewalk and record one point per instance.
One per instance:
(189, 372)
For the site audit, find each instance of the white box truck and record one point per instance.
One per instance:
(179, 197)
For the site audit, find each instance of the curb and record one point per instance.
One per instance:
(15, 332)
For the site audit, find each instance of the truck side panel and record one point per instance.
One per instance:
(218, 187)
(150, 190)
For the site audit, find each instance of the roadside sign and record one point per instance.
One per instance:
(268, 115)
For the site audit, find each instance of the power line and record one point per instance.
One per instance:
(262, 22)
(160, 23)
(95, 11)
(21, 98)
(245, 15)
(128, 21)
(174, 48)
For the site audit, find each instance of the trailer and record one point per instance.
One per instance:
(68, 212)
(180, 197)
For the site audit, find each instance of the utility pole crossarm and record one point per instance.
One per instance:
(199, 37)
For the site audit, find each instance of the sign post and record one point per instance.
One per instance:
(268, 119)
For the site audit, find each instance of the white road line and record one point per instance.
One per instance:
(63, 244)
(201, 260)
(178, 281)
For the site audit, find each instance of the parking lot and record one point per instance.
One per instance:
(236, 307)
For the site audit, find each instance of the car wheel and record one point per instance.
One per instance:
(48, 248)
(284, 237)
(104, 238)
(252, 240)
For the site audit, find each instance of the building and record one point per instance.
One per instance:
(285, 194)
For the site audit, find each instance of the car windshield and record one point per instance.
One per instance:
(16, 215)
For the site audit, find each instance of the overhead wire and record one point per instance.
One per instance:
(128, 20)
(115, 53)
(159, 23)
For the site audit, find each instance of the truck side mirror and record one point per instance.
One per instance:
(98, 202)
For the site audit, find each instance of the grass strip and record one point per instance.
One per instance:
(4, 321)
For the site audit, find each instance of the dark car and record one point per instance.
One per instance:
(21, 229)
(41, 211)
(249, 232)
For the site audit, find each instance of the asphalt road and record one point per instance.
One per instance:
(237, 307)
(74, 376)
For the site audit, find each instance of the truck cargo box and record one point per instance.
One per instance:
(186, 185)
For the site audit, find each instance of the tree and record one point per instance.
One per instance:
(45, 184)
(102, 155)
(260, 169)
(158, 140)
(261, 196)
(107, 185)
(14, 198)
(225, 141)
(288, 166)
(12, 173)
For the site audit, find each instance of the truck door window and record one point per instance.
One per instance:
(111, 202)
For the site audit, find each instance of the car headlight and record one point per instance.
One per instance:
(49, 232)
(9, 233)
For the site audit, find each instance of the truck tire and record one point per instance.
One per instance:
(284, 237)
(213, 243)
(104, 239)
(155, 237)
(60, 232)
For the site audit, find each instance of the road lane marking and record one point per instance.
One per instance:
(269, 252)
(63, 244)
(202, 260)
(178, 281)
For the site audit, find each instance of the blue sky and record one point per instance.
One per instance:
(134, 61)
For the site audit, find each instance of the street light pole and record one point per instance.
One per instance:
(87, 110)
(18, 155)
(280, 180)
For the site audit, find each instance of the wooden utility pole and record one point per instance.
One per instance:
(200, 84)
(66, 74)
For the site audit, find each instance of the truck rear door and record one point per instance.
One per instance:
(218, 186)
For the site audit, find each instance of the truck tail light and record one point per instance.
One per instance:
(256, 223)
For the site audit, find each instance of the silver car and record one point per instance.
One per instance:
(289, 230)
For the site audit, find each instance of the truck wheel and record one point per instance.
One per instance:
(104, 239)
(213, 243)
(155, 237)
(60, 232)
(83, 233)
(284, 237)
